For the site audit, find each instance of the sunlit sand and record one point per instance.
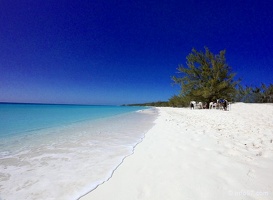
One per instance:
(199, 154)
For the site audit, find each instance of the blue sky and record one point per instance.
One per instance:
(116, 52)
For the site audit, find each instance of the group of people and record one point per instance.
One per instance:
(219, 104)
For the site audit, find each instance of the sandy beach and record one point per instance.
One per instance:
(199, 154)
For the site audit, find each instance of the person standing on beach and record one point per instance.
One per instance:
(192, 105)
(225, 105)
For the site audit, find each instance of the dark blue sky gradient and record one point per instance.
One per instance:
(115, 52)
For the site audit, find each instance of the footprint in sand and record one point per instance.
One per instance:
(259, 154)
(250, 173)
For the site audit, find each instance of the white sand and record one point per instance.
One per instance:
(199, 154)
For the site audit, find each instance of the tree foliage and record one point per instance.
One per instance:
(207, 77)
(157, 104)
(250, 94)
(177, 101)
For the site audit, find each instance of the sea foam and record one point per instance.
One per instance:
(68, 161)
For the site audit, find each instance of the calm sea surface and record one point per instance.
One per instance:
(65, 151)
(19, 118)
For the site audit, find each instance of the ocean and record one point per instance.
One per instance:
(65, 151)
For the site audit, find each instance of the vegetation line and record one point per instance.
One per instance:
(208, 77)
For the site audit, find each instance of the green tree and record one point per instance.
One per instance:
(250, 94)
(177, 101)
(206, 78)
(245, 94)
(267, 93)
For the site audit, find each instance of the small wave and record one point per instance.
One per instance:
(74, 160)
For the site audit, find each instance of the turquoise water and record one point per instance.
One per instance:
(65, 151)
(21, 118)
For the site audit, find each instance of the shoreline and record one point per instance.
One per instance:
(57, 158)
(199, 154)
